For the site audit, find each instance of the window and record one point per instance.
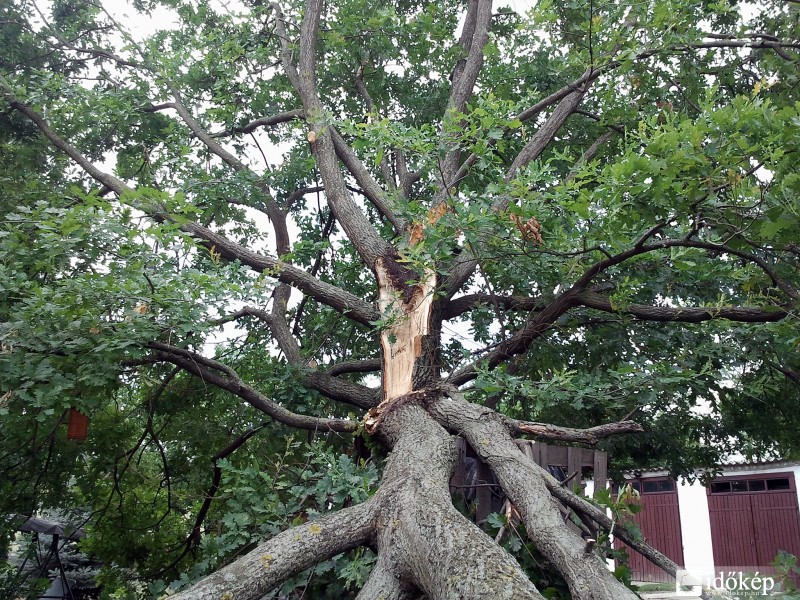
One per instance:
(740, 485)
(756, 484)
(650, 486)
(721, 487)
(778, 484)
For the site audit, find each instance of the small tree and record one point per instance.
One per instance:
(424, 221)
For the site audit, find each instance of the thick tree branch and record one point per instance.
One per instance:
(107, 180)
(793, 376)
(222, 376)
(271, 121)
(361, 233)
(522, 480)
(342, 390)
(420, 531)
(327, 384)
(346, 303)
(298, 194)
(372, 190)
(641, 247)
(278, 328)
(467, 262)
(288, 553)
(583, 81)
(287, 52)
(473, 39)
(690, 314)
(536, 327)
(465, 41)
(368, 365)
(542, 138)
(590, 436)
(574, 296)
(407, 178)
(385, 583)
(474, 36)
(599, 516)
(458, 306)
(592, 74)
(275, 214)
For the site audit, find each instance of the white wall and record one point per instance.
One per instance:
(698, 553)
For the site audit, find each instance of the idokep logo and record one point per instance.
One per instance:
(729, 584)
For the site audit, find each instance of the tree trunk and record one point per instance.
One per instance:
(523, 482)
(424, 545)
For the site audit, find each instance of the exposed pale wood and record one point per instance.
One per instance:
(401, 341)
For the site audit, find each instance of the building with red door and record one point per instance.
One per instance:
(739, 522)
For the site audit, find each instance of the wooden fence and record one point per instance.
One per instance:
(474, 480)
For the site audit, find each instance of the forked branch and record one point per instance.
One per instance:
(360, 231)
(521, 479)
(326, 293)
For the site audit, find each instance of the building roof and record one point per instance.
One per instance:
(729, 466)
(36, 525)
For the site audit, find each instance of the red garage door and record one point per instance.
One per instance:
(752, 518)
(660, 523)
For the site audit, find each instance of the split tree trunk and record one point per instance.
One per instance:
(424, 545)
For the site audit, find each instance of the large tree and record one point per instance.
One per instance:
(406, 221)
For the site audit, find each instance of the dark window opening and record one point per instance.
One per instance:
(778, 484)
(658, 486)
(721, 487)
(739, 485)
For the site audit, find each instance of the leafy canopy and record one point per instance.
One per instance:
(677, 173)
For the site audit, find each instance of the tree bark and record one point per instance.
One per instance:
(424, 544)
(522, 480)
(287, 554)
(444, 554)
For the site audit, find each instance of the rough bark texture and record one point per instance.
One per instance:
(424, 545)
(522, 480)
(443, 553)
(584, 507)
(287, 553)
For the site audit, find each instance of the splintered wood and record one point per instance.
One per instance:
(408, 310)
(409, 321)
